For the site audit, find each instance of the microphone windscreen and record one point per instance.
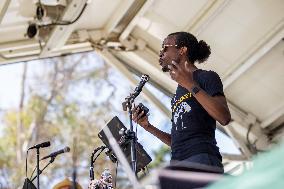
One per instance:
(66, 149)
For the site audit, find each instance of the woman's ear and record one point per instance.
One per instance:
(183, 50)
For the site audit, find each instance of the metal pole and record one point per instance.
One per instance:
(37, 166)
(132, 141)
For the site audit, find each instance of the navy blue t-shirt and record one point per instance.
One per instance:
(193, 129)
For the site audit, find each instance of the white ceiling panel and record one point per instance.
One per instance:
(178, 13)
(249, 21)
(97, 14)
(241, 33)
(260, 89)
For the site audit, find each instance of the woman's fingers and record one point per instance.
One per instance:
(135, 114)
(140, 115)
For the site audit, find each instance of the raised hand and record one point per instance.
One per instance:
(181, 74)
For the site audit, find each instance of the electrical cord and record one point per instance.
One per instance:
(27, 164)
(99, 154)
(64, 23)
(32, 173)
(116, 174)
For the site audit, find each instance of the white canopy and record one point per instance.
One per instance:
(246, 38)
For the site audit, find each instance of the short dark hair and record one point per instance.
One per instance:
(197, 51)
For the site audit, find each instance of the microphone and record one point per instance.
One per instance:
(138, 89)
(54, 154)
(41, 145)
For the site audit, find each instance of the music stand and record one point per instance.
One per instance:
(116, 126)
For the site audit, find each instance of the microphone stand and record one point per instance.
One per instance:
(131, 135)
(133, 139)
(40, 171)
(127, 104)
(37, 167)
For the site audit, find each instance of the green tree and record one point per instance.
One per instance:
(54, 107)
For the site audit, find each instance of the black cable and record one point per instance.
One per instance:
(27, 165)
(64, 23)
(93, 160)
(32, 173)
(116, 174)
(40, 171)
(99, 154)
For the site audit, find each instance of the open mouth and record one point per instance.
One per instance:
(165, 68)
